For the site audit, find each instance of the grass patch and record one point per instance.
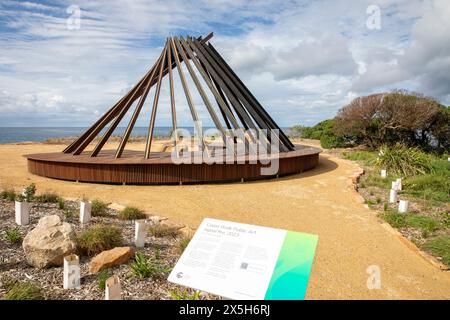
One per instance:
(99, 208)
(48, 197)
(440, 246)
(24, 291)
(395, 219)
(400, 220)
(13, 235)
(183, 243)
(434, 187)
(8, 194)
(425, 223)
(184, 294)
(375, 180)
(102, 277)
(61, 204)
(368, 157)
(131, 213)
(144, 267)
(163, 230)
(99, 238)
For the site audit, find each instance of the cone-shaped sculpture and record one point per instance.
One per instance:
(241, 119)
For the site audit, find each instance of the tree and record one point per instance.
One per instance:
(387, 118)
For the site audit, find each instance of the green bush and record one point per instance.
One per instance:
(13, 235)
(48, 197)
(99, 238)
(131, 213)
(405, 161)
(8, 194)
(99, 208)
(440, 246)
(27, 194)
(183, 294)
(144, 267)
(24, 291)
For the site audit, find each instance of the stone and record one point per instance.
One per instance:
(49, 242)
(110, 258)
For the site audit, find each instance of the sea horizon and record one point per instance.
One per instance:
(39, 134)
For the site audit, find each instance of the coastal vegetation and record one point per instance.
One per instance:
(426, 184)
(385, 119)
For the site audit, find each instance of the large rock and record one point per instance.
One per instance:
(110, 258)
(49, 242)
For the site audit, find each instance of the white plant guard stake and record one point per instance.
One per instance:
(403, 206)
(394, 185)
(139, 233)
(22, 212)
(71, 272)
(383, 173)
(393, 196)
(85, 211)
(113, 289)
(399, 184)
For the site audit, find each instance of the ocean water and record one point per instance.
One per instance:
(20, 134)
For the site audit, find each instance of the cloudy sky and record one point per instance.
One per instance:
(302, 59)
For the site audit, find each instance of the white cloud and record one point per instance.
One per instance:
(302, 59)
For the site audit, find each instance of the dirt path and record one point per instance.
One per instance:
(320, 201)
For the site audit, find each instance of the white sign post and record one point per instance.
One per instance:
(113, 290)
(71, 272)
(140, 228)
(241, 261)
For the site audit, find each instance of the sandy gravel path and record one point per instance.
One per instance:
(320, 201)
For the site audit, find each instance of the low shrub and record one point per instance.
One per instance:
(48, 197)
(440, 246)
(184, 294)
(131, 213)
(99, 208)
(99, 238)
(13, 235)
(144, 267)
(163, 230)
(8, 194)
(61, 204)
(404, 160)
(24, 291)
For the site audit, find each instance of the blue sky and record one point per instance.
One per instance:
(302, 59)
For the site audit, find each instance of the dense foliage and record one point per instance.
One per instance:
(399, 116)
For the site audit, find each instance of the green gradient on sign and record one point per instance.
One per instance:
(290, 276)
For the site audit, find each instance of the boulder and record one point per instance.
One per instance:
(49, 242)
(110, 258)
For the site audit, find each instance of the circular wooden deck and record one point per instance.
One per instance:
(132, 168)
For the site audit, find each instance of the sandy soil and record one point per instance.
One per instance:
(320, 201)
